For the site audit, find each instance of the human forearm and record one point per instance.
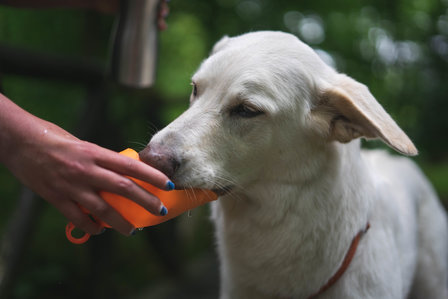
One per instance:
(67, 171)
(17, 127)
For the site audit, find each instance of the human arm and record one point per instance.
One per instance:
(69, 172)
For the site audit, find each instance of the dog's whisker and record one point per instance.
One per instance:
(137, 145)
(152, 128)
(189, 192)
(227, 179)
(192, 191)
(221, 180)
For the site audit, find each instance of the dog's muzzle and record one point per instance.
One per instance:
(161, 158)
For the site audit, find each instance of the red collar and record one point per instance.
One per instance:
(345, 263)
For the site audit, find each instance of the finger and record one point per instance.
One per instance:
(102, 210)
(134, 168)
(161, 24)
(118, 184)
(81, 220)
(164, 9)
(163, 13)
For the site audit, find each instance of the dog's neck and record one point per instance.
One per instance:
(337, 185)
(325, 211)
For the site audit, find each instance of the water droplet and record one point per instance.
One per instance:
(140, 228)
(190, 213)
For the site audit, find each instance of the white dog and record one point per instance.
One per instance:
(274, 131)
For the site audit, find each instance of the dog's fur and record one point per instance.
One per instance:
(274, 131)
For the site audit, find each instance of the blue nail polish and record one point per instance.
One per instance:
(163, 211)
(170, 186)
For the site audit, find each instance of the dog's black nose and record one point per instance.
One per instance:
(161, 158)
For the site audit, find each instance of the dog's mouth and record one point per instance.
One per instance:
(221, 191)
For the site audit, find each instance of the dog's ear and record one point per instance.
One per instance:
(220, 44)
(346, 110)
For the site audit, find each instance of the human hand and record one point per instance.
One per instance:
(69, 173)
(164, 11)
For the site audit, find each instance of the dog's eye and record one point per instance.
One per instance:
(245, 111)
(195, 89)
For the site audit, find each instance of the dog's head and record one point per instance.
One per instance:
(262, 101)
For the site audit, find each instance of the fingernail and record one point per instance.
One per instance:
(170, 186)
(163, 211)
(133, 232)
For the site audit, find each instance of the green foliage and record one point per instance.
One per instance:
(181, 50)
(55, 102)
(438, 175)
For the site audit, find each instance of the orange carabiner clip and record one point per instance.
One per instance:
(84, 238)
(68, 232)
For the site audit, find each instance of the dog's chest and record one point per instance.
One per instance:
(272, 258)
